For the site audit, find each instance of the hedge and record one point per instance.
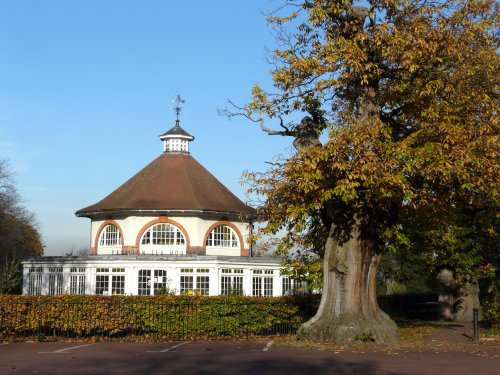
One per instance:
(159, 317)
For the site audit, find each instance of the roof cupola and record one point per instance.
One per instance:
(176, 139)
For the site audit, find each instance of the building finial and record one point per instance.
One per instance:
(176, 139)
(178, 109)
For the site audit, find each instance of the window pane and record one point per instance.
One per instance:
(268, 286)
(222, 236)
(144, 286)
(163, 234)
(77, 284)
(110, 236)
(117, 284)
(186, 284)
(256, 286)
(286, 286)
(101, 284)
(35, 284)
(231, 285)
(203, 285)
(55, 283)
(160, 281)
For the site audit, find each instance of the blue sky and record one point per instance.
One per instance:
(86, 87)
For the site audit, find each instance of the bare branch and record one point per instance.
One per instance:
(229, 114)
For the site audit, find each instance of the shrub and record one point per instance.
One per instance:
(162, 316)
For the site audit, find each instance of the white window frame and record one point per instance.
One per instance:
(77, 280)
(262, 283)
(231, 281)
(223, 236)
(172, 236)
(110, 280)
(35, 277)
(194, 281)
(110, 236)
(288, 286)
(56, 280)
(147, 285)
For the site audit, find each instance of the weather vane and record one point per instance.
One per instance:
(178, 109)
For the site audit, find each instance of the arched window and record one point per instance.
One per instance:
(163, 234)
(110, 236)
(222, 236)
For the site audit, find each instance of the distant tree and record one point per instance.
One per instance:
(466, 246)
(405, 271)
(10, 276)
(81, 252)
(19, 235)
(407, 94)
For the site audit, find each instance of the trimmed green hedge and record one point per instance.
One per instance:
(165, 317)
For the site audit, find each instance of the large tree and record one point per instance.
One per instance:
(405, 92)
(19, 234)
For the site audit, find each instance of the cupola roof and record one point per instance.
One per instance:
(176, 131)
(176, 139)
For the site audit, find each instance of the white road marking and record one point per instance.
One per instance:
(65, 349)
(265, 348)
(168, 349)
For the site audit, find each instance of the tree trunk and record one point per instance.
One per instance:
(349, 310)
(467, 301)
(389, 286)
(446, 294)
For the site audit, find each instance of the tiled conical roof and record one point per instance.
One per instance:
(172, 182)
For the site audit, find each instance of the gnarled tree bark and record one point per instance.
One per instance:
(349, 310)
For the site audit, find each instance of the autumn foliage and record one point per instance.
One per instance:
(397, 148)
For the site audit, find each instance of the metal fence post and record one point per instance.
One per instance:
(246, 320)
(476, 323)
(39, 325)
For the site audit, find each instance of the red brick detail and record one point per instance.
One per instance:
(198, 250)
(162, 219)
(229, 224)
(245, 252)
(93, 250)
(98, 235)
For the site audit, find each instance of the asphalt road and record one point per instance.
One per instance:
(233, 358)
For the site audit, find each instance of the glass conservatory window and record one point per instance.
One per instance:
(110, 281)
(35, 281)
(223, 236)
(231, 282)
(77, 280)
(288, 286)
(163, 234)
(262, 283)
(110, 236)
(56, 280)
(195, 281)
(157, 285)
